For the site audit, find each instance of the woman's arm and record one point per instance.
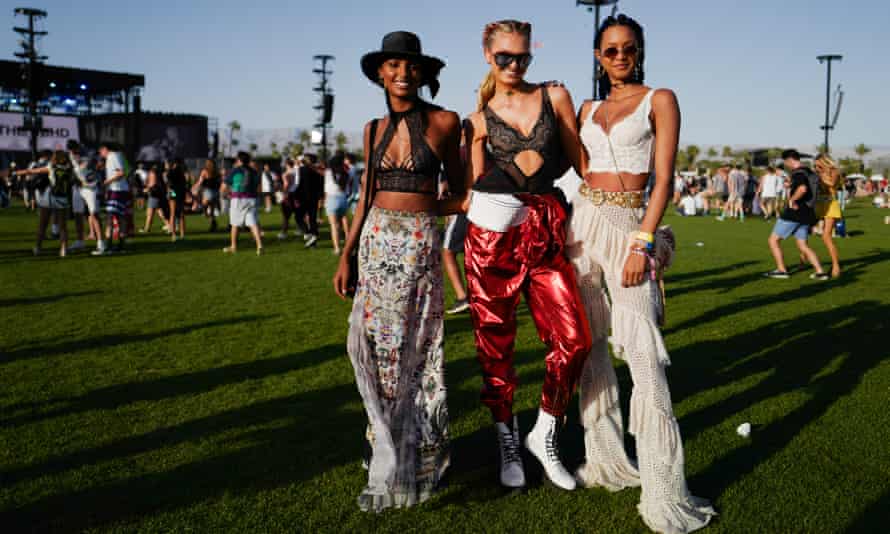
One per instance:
(666, 119)
(454, 170)
(568, 128)
(341, 278)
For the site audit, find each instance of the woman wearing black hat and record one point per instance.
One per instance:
(396, 326)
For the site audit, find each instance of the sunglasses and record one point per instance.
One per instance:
(503, 60)
(612, 52)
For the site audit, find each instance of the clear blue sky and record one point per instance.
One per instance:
(744, 72)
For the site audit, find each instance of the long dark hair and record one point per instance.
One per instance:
(639, 75)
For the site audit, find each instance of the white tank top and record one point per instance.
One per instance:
(631, 140)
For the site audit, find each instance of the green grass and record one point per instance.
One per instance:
(177, 389)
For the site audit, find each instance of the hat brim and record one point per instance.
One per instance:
(429, 65)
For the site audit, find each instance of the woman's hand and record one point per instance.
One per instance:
(341, 278)
(634, 268)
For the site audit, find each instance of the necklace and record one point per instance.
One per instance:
(625, 97)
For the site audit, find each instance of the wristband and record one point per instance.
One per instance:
(648, 237)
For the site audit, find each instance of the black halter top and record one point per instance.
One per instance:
(505, 142)
(419, 171)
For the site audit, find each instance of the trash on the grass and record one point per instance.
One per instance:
(744, 430)
(699, 244)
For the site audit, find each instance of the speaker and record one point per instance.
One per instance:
(328, 113)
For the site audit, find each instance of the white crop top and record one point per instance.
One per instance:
(631, 139)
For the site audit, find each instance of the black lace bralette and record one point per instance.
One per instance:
(505, 142)
(419, 171)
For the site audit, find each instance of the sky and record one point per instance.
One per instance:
(745, 73)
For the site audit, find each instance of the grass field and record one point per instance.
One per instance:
(178, 389)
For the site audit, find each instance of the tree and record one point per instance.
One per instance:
(340, 140)
(861, 150)
(773, 154)
(712, 152)
(822, 149)
(253, 148)
(692, 152)
(305, 138)
(234, 128)
(273, 146)
(727, 152)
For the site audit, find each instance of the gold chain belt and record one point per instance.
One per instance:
(625, 199)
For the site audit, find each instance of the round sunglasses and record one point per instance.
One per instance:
(612, 52)
(504, 60)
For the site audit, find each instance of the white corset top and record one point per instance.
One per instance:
(631, 140)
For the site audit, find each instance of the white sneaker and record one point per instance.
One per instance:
(542, 443)
(282, 236)
(512, 471)
(100, 249)
(311, 241)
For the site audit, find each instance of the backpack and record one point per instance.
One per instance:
(813, 181)
(61, 178)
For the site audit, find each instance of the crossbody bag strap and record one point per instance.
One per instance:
(608, 134)
(369, 176)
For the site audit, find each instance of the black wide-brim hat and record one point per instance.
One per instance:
(403, 45)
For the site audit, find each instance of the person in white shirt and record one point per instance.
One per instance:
(770, 184)
(117, 193)
(268, 187)
(290, 181)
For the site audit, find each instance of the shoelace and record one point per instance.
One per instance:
(550, 444)
(509, 448)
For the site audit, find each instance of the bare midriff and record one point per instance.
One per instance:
(397, 201)
(608, 181)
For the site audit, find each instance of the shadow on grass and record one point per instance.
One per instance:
(112, 340)
(671, 279)
(874, 518)
(813, 352)
(25, 301)
(113, 397)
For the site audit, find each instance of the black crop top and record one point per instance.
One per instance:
(505, 142)
(417, 173)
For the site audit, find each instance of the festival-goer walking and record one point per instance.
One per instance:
(828, 208)
(518, 139)
(209, 183)
(336, 181)
(629, 135)
(156, 192)
(56, 203)
(176, 190)
(268, 186)
(290, 183)
(396, 327)
(453, 244)
(797, 218)
(243, 184)
(770, 184)
(309, 194)
(117, 197)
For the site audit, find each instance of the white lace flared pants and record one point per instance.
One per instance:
(599, 240)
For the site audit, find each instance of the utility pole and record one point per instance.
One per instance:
(326, 103)
(594, 5)
(828, 126)
(31, 61)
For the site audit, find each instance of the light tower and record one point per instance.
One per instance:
(594, 5)
(326, 101)
(828, 58)
(31, 63)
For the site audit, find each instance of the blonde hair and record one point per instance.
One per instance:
(487, 88)
(828, 170)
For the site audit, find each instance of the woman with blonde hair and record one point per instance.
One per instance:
(518, 140)
(631, 137)
(828, 209)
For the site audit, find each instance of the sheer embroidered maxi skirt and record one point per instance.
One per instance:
(396, 347)
(599, 240)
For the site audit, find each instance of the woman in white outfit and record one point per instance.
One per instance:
(630, 134)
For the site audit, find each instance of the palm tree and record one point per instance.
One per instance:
(253, 149)
(861, 150)
(340, 140)
(727, 152)
(712, 152)
(273, 146)
(692, 152)
(234, 127)
(305, 137)
(823, 149)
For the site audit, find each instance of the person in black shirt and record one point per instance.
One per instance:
(176, 188)
(797, 219)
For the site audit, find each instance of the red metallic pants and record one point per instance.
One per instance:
(499, 268)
